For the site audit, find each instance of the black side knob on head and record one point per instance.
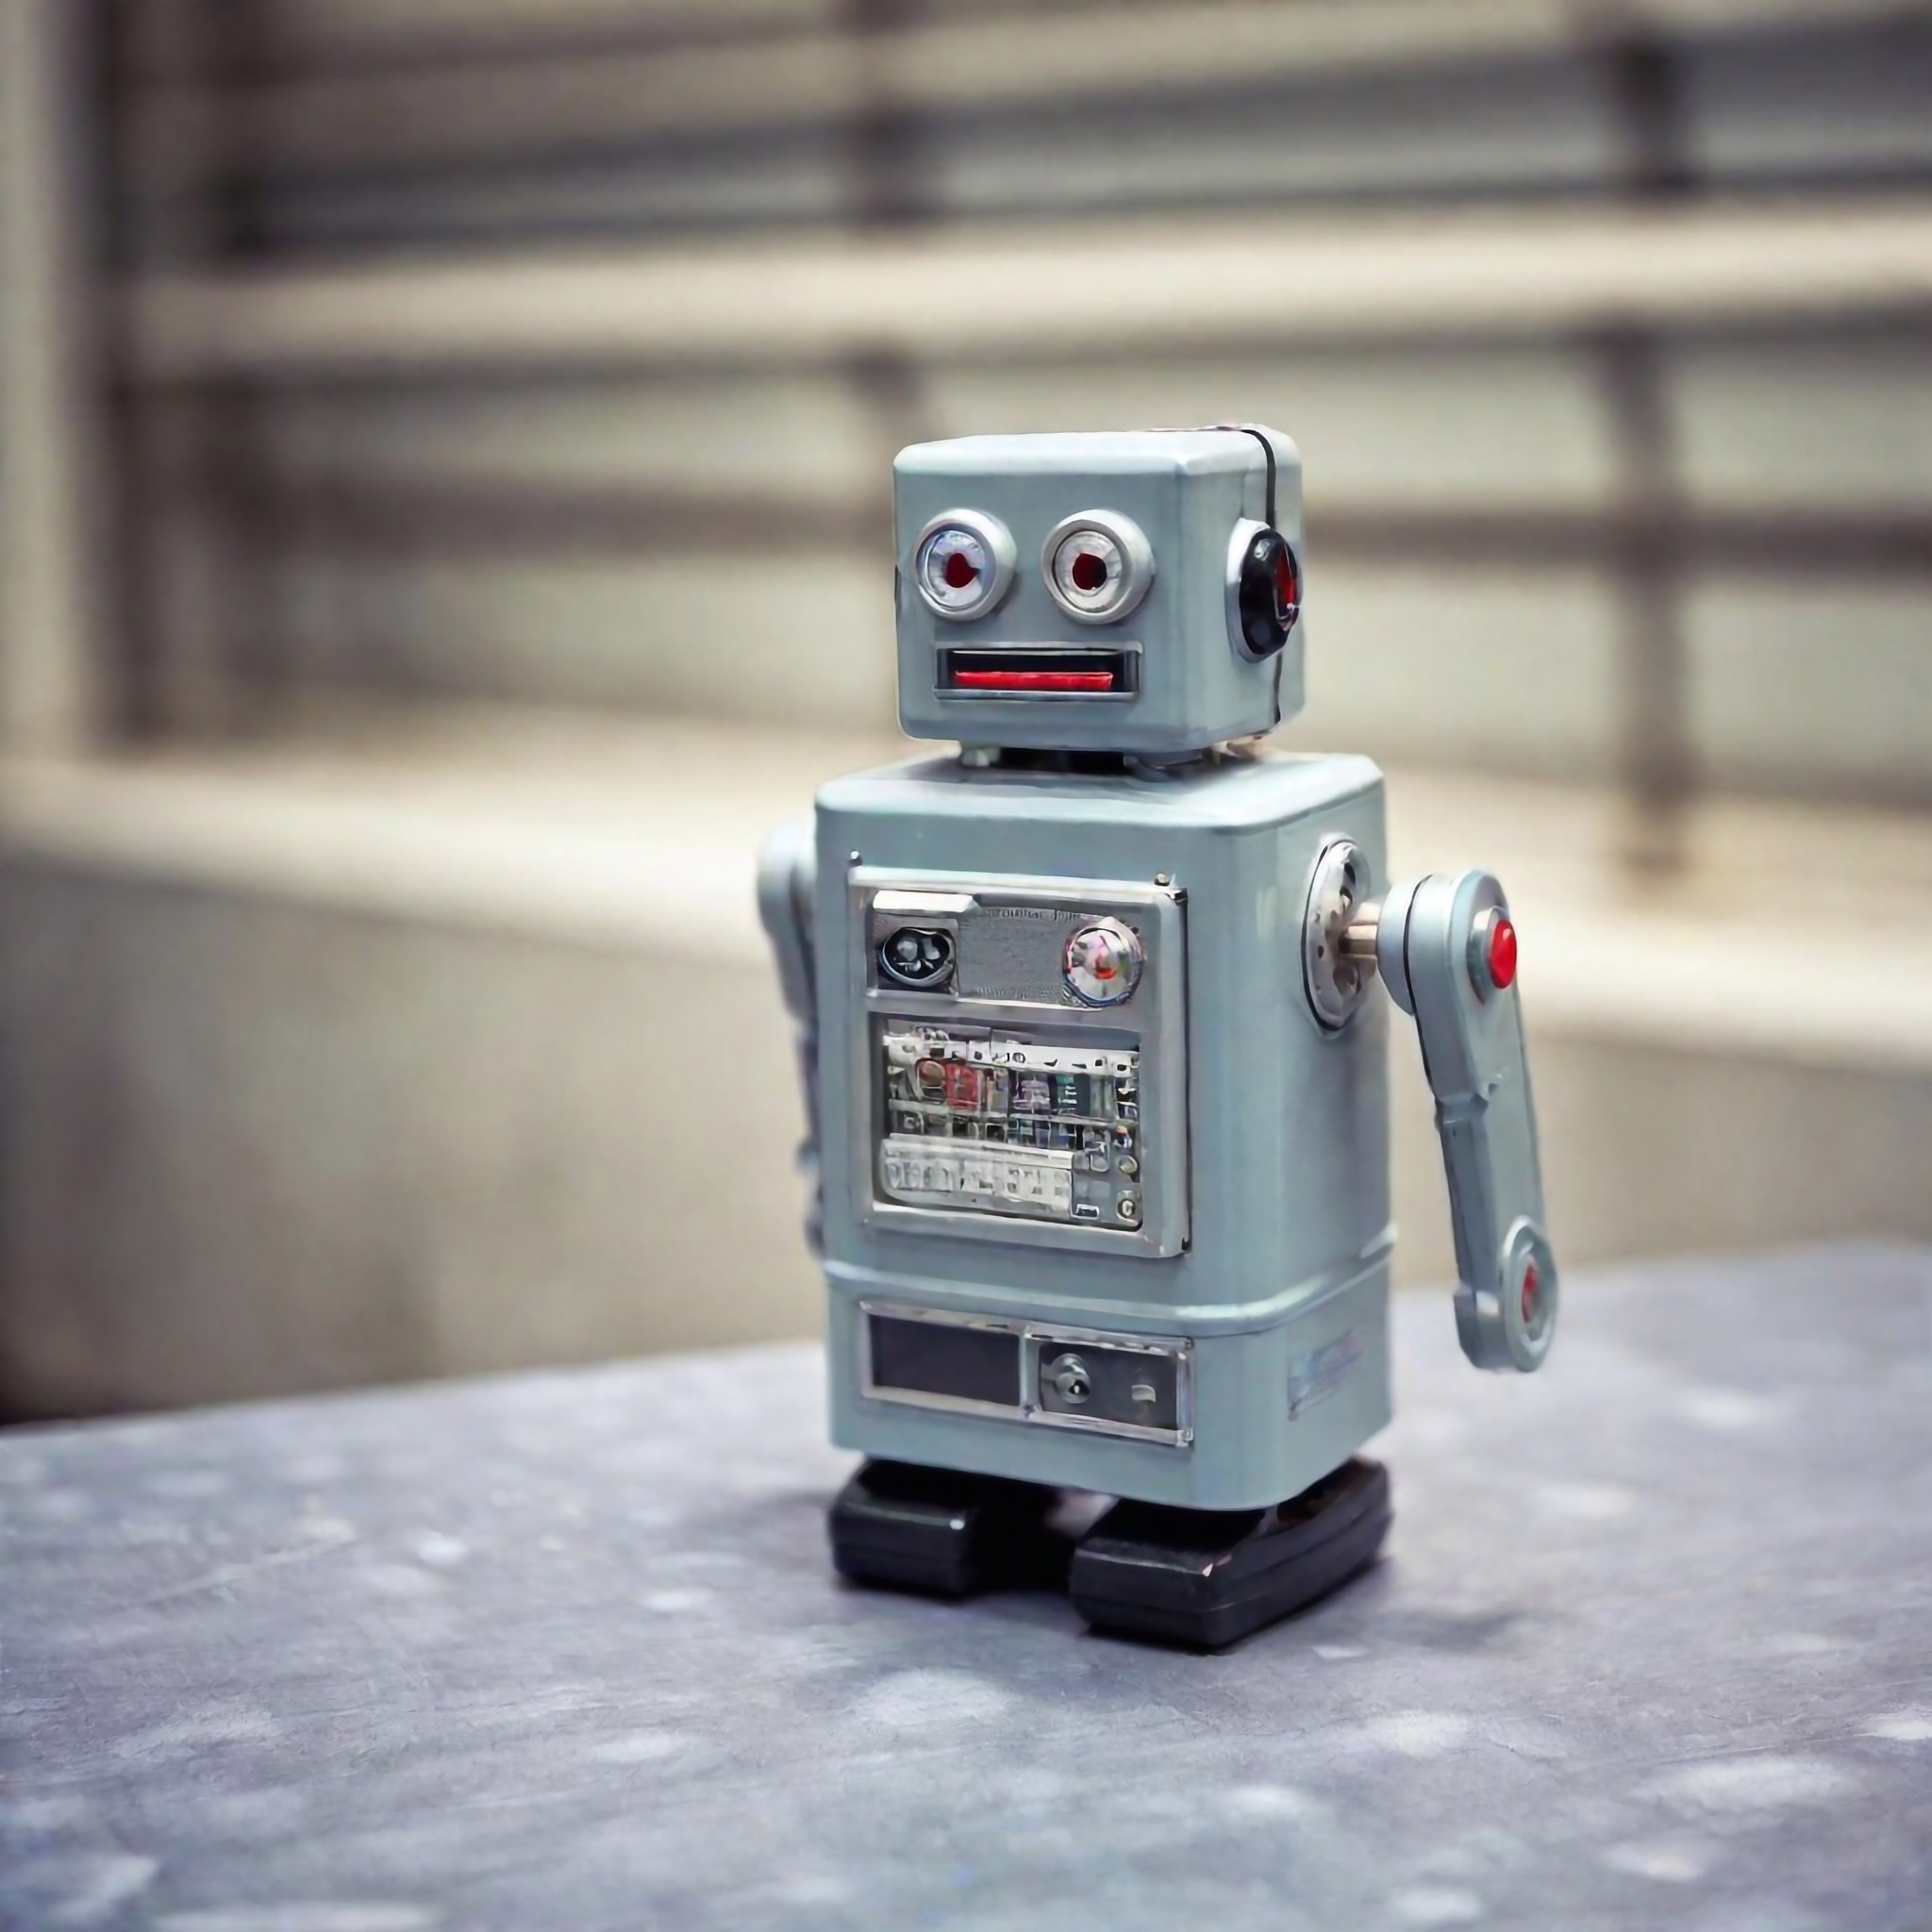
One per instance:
(1271, 592)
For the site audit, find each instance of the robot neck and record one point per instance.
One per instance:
(1105, 764)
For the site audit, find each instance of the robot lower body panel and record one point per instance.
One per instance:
(978, 1421)
(1194, 1414)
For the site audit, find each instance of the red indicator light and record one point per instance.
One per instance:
(1088, 571)
(1034, 681)
(1532, 1282)
(1502, 954)
(958, 570)
(1288, 583)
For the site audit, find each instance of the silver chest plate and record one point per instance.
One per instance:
(1024, 1045)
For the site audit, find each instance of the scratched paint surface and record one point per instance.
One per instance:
(1652, 1644)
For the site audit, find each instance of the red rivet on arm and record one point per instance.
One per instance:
(1502, 954)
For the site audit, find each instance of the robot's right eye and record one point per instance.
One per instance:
(963, 564)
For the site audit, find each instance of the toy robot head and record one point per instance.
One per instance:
(1135, 593)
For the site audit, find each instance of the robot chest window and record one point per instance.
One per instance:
(1022, 1049)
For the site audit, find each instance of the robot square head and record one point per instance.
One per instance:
(1135, 593)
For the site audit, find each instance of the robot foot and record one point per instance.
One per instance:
(1203, 1579)
(943, 1533)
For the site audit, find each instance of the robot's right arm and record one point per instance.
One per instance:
(788, 870)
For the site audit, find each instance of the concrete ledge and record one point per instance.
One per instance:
(1792, 932)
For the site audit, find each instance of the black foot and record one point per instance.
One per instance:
(942, 1532)
(1206, 1578)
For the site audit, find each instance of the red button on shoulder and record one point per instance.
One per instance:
(1503, 953)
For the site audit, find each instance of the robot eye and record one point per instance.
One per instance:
(963, 564)
(1098, 566)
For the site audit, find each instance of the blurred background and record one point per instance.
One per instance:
(445, 521)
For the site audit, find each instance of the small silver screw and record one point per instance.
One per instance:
(1128, 1208)
(1164, 878)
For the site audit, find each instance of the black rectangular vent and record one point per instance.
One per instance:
(946, 1358)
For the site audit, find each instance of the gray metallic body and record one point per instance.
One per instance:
(1280, 1291)
(1104, 1201)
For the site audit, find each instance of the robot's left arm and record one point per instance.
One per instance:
(788, 870)
(1446, 950)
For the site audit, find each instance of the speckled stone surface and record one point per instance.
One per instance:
(1651, 1646)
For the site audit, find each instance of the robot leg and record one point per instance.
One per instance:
(1203, 1579)
(942, 1532)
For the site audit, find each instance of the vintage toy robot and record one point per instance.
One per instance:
(1095, 1068)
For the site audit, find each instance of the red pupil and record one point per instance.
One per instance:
(958, 570)
(1088, 572)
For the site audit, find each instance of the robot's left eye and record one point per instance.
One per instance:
(1098, 565)
(962, 563)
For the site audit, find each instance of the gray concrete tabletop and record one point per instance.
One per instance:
(1651, 1646)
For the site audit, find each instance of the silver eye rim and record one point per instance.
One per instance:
(1123, 592)
(992, 537)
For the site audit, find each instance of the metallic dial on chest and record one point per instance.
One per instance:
(1101, 963)
(917, 955)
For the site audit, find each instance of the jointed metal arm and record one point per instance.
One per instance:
(788, 870)
(1446, 950)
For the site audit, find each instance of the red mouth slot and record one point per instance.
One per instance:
(1040, 672)
(1033, 680)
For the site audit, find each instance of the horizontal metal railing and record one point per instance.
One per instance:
(330, 36)
(1046, 293)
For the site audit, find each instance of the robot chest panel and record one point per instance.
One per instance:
(1020, 1059)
